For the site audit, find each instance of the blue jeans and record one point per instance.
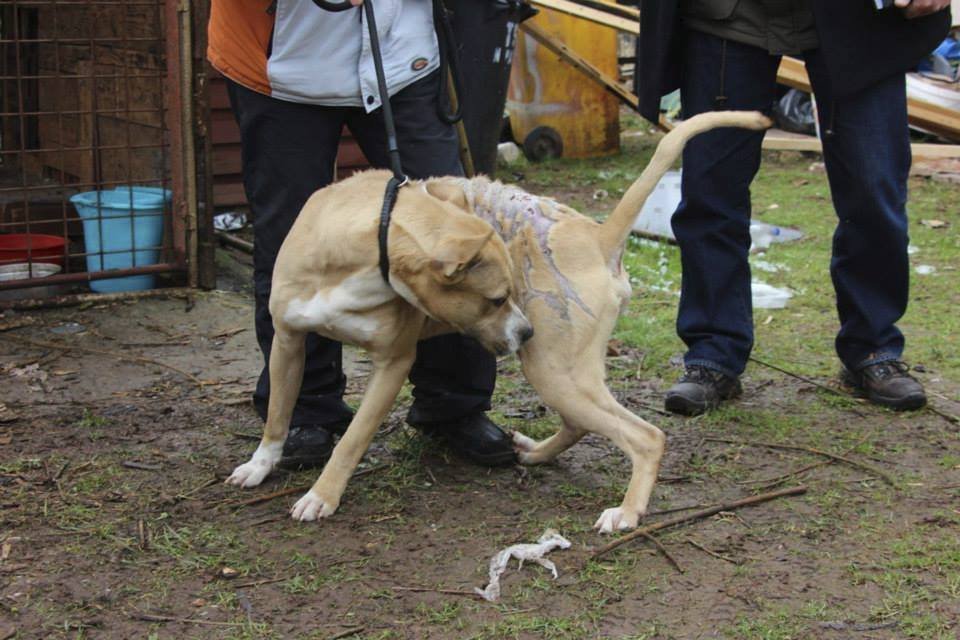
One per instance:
(867, 156)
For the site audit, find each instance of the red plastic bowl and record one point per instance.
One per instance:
(31, 247)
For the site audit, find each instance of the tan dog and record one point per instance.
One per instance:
(560, 270)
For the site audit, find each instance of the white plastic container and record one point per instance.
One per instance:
(654, 218)
(23, 271)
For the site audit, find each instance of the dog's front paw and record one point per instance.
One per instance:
(251, 474)
(311, 506)
(616, 519)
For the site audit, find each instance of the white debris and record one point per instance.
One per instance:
(230, 221)
(925, 269)
(549, 541)
(766, 296)
(769, 267)
(508, 152)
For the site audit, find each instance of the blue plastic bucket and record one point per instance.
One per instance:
(122, 228)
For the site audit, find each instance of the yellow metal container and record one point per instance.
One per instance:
(551, 104)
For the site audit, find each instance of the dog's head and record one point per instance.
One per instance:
(454, 268)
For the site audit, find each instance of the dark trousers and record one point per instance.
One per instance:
(289, 151)
(867, 155)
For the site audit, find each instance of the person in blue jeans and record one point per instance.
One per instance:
(724, 54)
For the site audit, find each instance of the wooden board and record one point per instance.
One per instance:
(780, 141)
(626, 25)
(925, 115)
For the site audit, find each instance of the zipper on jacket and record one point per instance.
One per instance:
(721, 98)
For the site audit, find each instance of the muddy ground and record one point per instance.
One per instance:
(121, 420)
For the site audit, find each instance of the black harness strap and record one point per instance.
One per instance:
(389, 199)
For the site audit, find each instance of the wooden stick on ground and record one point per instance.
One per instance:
(698, 515)
(266, 497)
(792, 447)
(769, 483)
(696, 544)
(149, 617)
(285, 492)
(797, 376)
(666, 554)
(349, 632)
(452, 592)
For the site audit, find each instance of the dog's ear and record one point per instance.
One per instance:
(454, 257)
(448, 191)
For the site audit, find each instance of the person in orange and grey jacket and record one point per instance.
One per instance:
(724, 54)
(296, 76)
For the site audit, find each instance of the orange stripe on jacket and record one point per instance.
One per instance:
(238, 36)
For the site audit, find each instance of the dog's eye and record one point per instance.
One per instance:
(499, 302)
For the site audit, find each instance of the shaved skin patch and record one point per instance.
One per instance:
(512, 211)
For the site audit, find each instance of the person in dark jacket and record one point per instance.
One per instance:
(724, 54)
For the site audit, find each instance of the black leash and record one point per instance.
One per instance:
(399, 178)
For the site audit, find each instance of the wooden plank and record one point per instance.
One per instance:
(925, 115)
(612, 7)
(779, 142)
(594, 15)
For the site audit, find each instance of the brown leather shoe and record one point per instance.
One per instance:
(701, 389)
(888, 384)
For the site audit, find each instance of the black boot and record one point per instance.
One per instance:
(888, 384)
(309, 446)
(701, 389)
(474, 437)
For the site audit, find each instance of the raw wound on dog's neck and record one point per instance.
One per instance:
(510, 211)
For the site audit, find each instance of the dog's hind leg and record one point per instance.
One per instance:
(390, 369)
(286, 376)
(644, 444)
(585, 404)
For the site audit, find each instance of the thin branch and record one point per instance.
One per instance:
(257, 583)
(772, 482)
(663, 550)
(796, 376)
(946, 416)
(452, 592)
(696, 544)
(698, 515)
(149, 617)
(266, 497)
(793, 447)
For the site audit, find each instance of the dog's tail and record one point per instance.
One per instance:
(616, 228)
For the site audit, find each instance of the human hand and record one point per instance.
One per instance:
(356, 3)
(917, 8)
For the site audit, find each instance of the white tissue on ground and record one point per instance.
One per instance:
(766, 296)
(549, 541)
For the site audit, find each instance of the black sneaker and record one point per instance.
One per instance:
(308, 446)
(474, 437)
(888, 384)
(699, 390)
